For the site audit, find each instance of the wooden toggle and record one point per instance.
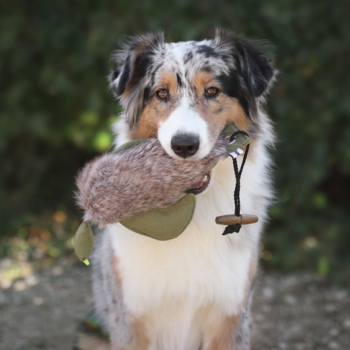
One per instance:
(243, 219)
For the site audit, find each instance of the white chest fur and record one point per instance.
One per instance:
(200, 267)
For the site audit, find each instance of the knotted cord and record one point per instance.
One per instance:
(238, 173)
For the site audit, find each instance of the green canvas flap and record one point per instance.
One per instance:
(163, 223)
(83, 242)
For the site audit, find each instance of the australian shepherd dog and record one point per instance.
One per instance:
(193, 292)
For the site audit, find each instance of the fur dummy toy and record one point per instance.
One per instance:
(119, 185)
(146, 190)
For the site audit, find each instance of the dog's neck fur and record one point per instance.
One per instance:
(179, 286)
(192, 292)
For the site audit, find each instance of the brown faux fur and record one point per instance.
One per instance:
(121, 184)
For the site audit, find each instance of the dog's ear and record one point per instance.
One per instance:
(255, 67)
(253, 63)
(133, 60)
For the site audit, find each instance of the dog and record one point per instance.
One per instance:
(193, 292)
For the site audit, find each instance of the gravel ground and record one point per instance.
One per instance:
(41, 309)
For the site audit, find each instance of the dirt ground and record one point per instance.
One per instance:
(41, 309)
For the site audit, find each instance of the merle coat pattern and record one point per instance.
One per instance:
(193, 292)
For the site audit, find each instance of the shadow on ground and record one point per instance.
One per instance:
(42, 309)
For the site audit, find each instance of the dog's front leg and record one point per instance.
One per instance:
(223, 335)
(139, 339)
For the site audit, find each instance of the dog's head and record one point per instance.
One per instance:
(186, 93)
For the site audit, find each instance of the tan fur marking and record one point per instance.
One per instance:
(236, 114)
(217, 113)
(148, 125)
(168, 80)
(89, 342)
(141, 340)
(115, 263)
(220, 111)
(203, 80)
(155, 111)
(140, 48)
(225, 334)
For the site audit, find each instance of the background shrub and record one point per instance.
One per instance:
(56, 110)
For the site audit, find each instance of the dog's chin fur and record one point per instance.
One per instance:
(192, 292)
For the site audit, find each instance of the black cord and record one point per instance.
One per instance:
(238, 173)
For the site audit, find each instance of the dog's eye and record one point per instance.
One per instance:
(211, 91)
(163, 93)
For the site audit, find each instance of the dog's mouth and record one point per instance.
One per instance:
(200, 186)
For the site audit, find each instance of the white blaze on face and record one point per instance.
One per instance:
(185, 121)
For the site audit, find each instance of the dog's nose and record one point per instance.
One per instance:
(185, 145)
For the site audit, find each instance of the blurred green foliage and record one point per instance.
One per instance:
(56, 110)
